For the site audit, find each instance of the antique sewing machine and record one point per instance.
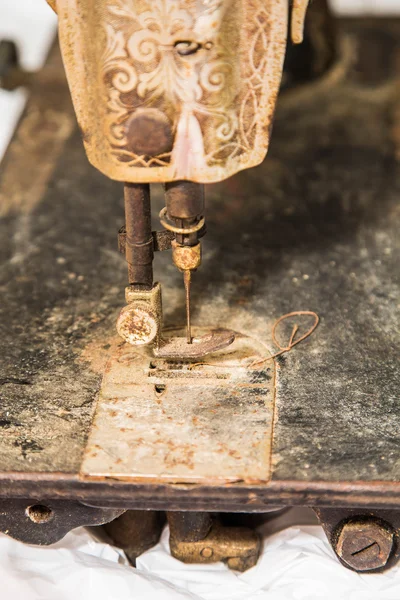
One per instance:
(223, 401)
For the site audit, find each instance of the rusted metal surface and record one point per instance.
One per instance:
(139, 240)
(364, 540)
(365, 545)
(239, 547)
(45, 522)
(199, 537)
(186, 258)
(305, 231)
(135, 531)
(178, 347)
(186, 229)
(140, 321)
(236, 497)
(161, 240)
(185, 207)
(189, 526)
(184, 200)
(166, 419)
(137, 324)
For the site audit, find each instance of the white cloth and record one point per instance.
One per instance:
(296, 564)
(31, 24)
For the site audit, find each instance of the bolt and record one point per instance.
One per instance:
(207, 552)
(365, 545)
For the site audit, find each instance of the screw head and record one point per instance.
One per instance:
(365, 545)
(137, 325)
(207, 552)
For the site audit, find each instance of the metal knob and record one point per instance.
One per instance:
(149, 132)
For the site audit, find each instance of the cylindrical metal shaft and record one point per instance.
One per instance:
(185, 205)
(184, 199)
(139, 240)
(189, 526)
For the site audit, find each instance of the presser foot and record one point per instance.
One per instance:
(178, 347)
(140, 324)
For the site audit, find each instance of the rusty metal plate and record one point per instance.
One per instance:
(184, 421)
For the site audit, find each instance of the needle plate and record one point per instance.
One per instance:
(184, 421)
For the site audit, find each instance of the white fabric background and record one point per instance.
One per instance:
(31, 24)
(296, 564)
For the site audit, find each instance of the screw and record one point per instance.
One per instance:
(207, 552)
(365, 545)
(137, 324)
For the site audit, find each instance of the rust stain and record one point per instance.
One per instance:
(187, 437)
(180, 455)
(98, 352)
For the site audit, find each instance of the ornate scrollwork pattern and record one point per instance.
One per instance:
(142, 68)
(212, 67)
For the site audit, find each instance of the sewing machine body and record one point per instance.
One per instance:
(206, 75)
(303, 231)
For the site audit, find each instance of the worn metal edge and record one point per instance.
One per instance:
(241, 497)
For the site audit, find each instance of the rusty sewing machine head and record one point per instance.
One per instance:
(175, 91)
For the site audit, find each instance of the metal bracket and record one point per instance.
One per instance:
(162, 240)
(239, 547)
(45, 522)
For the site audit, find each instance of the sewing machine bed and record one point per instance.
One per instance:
(315, 228)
